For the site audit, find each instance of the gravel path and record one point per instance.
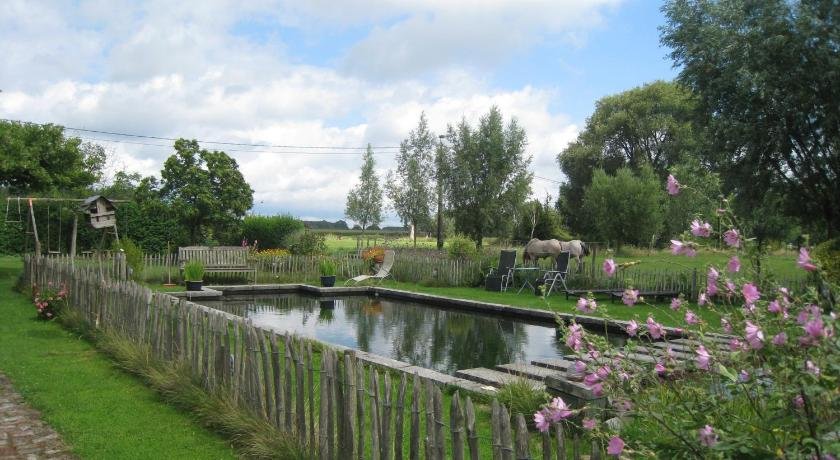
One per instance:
(23, 435)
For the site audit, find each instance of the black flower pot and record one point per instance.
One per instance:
(328, 281)
(194, 285)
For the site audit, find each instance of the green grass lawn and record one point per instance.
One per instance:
(100, 411)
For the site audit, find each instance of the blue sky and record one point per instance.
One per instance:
(319, 73)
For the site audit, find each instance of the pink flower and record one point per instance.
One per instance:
(703, 358)
(574, 338)
(659, 368)
(814, 331)
(541, 421)
(779, 339)
(589, 424)
(682, 248)
(735, 345)
(691, 318)
(655, 329)
(630, 297)
(701, 229)
(702, 299)
(811, 368)
(707, 436)
(676, 303)
(774, 307)
(616, 445)
(711, 281)
(743, 376)
(754, 336)
(580, 366)
(558, 409)
(730, 287)
(799, 401)
(609, 267)
(750, 293)
(673, 186)
(632, 327)
(603, 372)
(586, 305)
(734, 264)
(591, 379)
(804, 260)
(581, 304)
(597, 389)
(725, 325)
(732, 238)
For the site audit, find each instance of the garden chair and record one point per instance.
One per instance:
(504, 272)
(384, 270)
(561, 269)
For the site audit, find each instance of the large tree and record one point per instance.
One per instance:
(206, 188)
(650, 125)
(410, 186)
(488, 178)
(364, 201)
(40, 159)
(766, 75)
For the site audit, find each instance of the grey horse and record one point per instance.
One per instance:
(537, 249)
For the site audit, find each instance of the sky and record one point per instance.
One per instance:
(307, 84)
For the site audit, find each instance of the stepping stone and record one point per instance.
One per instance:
(661, 352)
(493, 378)
(557, 364)
(561, 383)
(526, 370)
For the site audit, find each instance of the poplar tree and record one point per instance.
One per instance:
(364, 202)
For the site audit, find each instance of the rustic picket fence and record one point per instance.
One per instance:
(331, 401)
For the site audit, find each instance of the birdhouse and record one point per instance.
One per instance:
(101, 210)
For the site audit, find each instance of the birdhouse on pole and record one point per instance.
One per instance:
(102, 212)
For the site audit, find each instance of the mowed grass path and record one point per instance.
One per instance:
(99, 410)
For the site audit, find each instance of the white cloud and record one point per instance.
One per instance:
(175, 70)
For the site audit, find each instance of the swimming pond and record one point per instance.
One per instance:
(445, 340)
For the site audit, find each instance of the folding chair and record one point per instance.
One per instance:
(561, 269)
(507, 260)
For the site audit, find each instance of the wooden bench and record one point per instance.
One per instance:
(218, 259)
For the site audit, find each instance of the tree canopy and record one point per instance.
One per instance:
(39, 159)
(487, 177)
(765, 74)
(364, 202)
(410, 186)
(205, 188)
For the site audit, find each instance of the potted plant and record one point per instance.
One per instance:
(327, 268)
(193, 275)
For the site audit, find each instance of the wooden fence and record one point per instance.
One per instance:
(332, 402)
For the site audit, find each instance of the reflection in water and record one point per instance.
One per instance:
(444, 340)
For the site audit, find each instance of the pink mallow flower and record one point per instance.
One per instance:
(682, 248)
(574, 338)
(609, 267)
(754, 336)
(750, 293)
(734, 264)
(541, 420)
(580, 366)
(707, 436)
(676, 303)
(586, 305)
(691, 318)
(774, 307)
(673, 186)
(779, 339)
(703, 358)
(616, 445)
(804, 260)
(659, 368)
(632, 327)
(735, 345)
(732, 238)
(702, 299)
(726, 325)
(811, 368)
(701, 229)
(558, 409)
(711, 281)
(814, 331)
(630, 297)
(589, 424)
(743, 376)
(655, 329)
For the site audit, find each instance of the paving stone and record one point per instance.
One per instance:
(554, 363)
(23, 435)
(527, 370)
(492, 377)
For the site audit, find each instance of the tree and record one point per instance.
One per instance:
(624, 208)
(206, 189)
(539, 220)
(651, 125)
(488, 176)
(765, 74)
(39, 158)
(701, 201)
(364, 202)
(409, 187)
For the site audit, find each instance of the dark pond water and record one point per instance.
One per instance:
(435, 338)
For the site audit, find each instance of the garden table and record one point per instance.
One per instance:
(527, 274)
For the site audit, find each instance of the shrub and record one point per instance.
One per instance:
(327, 267)
(271, 253)
(193, 271)
(133, 256)
(522, 396)
(307, 243)
(271, 231)
(461, 247)
(828, 255)
(48, 302)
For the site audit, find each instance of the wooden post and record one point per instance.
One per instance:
(522, 439)
(34, 229)
(73, 235)
(472, 435)
(456, 427)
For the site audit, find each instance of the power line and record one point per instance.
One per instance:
(241, 144)
(547, 179)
